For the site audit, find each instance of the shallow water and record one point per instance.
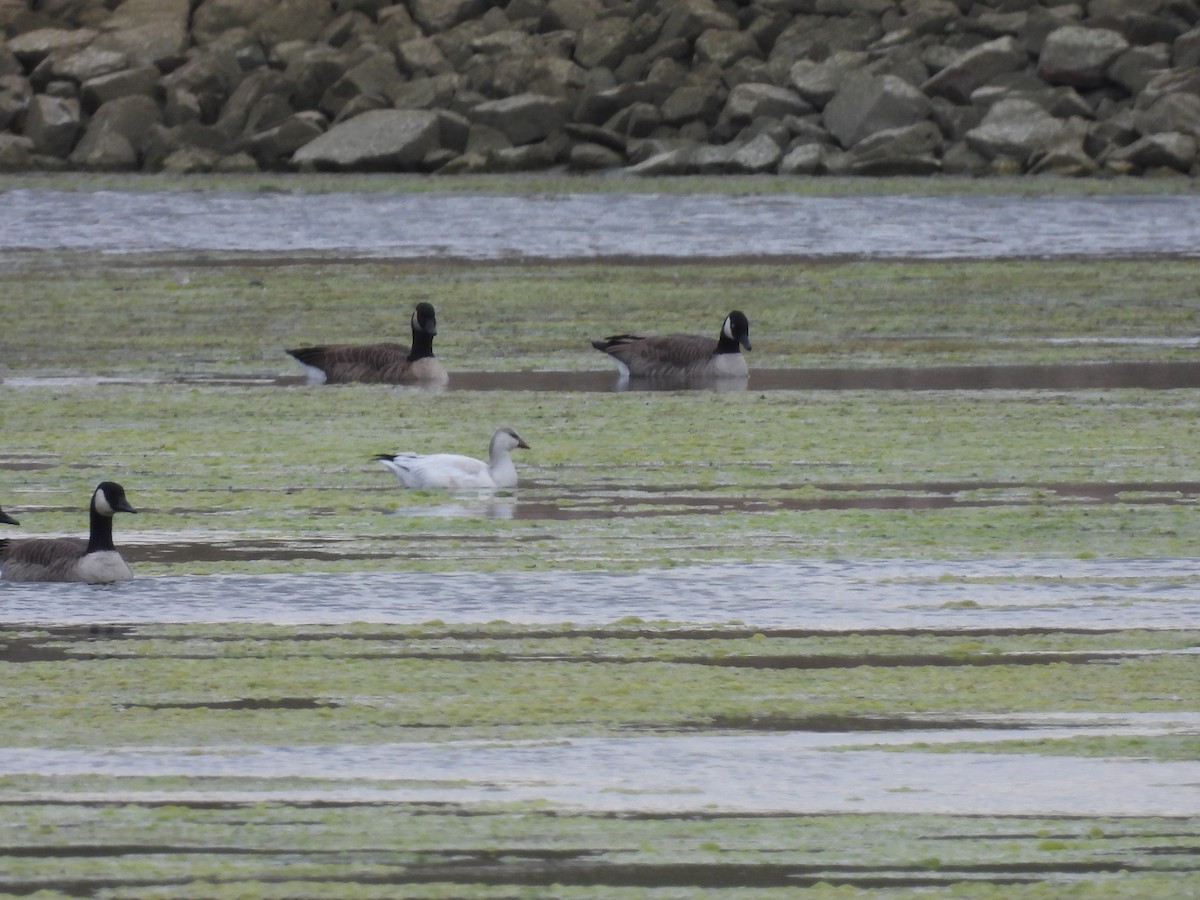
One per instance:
(773, 773)
(564, 226)
(1061, 377)
(831, 595)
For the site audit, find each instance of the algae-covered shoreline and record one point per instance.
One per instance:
(169, 375)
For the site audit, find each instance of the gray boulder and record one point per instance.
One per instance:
(605, 42)
(34, 46)
(568, 15)
(379, 140)
(293, 20)
(1014, 129)
(435, 16)
(523, 119)
(142, 81)
(273, 146)
(975, 68)
(79, 66)
(116, 133)
(755, 157)
(1172, 81)
(551, 76)
(426, 93)
(1170, 150)
(312, 71)
(806, 159)
(15, 94)
(213, 70)
(677, 161)
(1134, 68)
(1079, 56)
(376, 76)
(260, 85)
(912, 150)
(1172, 112)
(1118, 130)
(817, 82)
(638, 120)
(597, 106)
(688, 19)
(692, 102)
(1185, 50)
(148, 32)
(866, 104)
(421, 56)
(9, 64)
(214, 18)
(588, 157)
(1066, 158)
(747, 102)
(190, 161)
(723, 48)
(16, 153)
(52, 124)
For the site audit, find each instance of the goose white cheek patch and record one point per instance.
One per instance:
(102, 505)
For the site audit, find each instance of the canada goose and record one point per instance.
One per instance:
(682, 356)
(379, 363)
(72, 559)
(7, 519)
(459, 473)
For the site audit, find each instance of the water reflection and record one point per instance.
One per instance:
(492, 226)
(821, 595)
(484, 507)
(1065, 377)
(798, 773)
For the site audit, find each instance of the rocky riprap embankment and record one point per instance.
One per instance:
(655, 86)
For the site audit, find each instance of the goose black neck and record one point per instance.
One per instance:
(726, 344)
(100, 533)
(422, 345)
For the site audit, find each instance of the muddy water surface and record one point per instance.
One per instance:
(562, 226)
(813, 594)
(779, 773)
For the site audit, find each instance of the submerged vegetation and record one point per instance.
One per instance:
(168, 374)
(193, 351)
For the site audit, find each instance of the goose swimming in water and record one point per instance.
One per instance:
(94, 560)
(7, 519)
(459, 473)
(379, 363)
(682, 356)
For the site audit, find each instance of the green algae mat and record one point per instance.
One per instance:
(168, 375)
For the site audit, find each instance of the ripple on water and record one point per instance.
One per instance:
(816, 594)
(596, 225)
(787, 773)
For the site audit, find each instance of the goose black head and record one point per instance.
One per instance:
(7, 519)
(737, 328)
(424, 319)
(109, 499)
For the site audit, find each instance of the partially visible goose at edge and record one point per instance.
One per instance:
(459, 473)
(94, 560)
(6, 519)
(379, 363)
(682, 356)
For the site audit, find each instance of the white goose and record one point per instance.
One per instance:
(94, 560)
(459, 473)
